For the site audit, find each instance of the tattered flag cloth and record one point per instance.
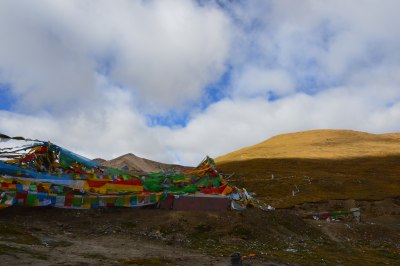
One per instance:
(36, 173)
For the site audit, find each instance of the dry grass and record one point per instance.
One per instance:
(370, 178)
(319, 144)
(318, 165)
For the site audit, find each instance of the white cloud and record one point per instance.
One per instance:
(164, 51)
(231, 124)
(103, 132)
(331, 40)
(87, 73)
(224, 126)
(255, 81)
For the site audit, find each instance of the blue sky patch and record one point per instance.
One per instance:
(7, 100)
(105, 65)
(213, 93)
(169, 119)
(217, 90)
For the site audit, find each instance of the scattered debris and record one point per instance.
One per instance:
(297, 190)
(328, 216)
(354, 214)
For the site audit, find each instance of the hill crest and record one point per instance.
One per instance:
(325, 144)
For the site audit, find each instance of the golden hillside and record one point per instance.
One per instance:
(318, 165)
(320, 144)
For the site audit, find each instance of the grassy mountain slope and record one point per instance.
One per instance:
(320, 144)
(318, 165)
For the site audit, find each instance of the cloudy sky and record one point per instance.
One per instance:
(177, 80)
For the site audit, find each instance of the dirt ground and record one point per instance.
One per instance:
(50, 236)
(120, 236)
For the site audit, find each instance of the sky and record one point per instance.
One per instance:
(177, 80)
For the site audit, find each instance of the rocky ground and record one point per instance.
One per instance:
(119, 236)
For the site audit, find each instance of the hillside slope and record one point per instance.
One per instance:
(320, 144)
(318, 165)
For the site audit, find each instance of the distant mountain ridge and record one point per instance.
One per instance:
(99, 160)
(135, 163)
